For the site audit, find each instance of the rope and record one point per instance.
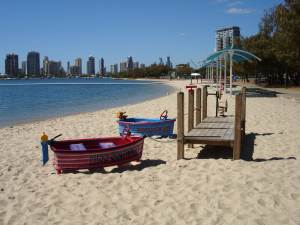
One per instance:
(155, 139)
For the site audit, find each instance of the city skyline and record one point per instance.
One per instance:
(43, 66)
(179, 29)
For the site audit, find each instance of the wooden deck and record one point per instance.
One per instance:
(222, 131)
(212, 130)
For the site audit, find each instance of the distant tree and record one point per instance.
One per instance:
(183, 70)
(277, 43)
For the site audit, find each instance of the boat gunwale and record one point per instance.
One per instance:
(146, 121)
(107, 150)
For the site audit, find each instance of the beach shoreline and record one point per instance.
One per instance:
(66, 114)
(160, 189)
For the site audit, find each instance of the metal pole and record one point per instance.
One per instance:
(209, 73)
(230, 73)
(220, 76)
(217, 73)
(212, 73)
(225, 72)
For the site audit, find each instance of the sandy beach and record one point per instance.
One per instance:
(202, 189)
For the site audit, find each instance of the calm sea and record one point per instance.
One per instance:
(29, 100)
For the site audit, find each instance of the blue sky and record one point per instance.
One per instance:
(115, 29)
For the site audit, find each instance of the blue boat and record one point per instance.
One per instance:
(147, 127)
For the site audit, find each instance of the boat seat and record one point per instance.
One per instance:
(77, 147)
(105, 145)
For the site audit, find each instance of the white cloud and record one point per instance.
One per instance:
(234, 10)
(234, 3)
(229, 2)
(182, 34)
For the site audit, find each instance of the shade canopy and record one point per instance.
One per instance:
(238, 55)
(195, 74)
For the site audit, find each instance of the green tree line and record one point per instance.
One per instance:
(278, 45)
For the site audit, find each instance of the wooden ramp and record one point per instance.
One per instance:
(213, 131)
(219, 131)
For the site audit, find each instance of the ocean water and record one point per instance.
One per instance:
(29, 100)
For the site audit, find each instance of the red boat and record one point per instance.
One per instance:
(96, 152)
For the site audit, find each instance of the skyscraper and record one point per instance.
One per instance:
(23, 68)
(91, 66)
(11, 64)
(123, 66)
(102, 68)
(68, 67)
(168, 63)
(129, 63)
(54, 67)
(114, 68)
(78, 62)
(75, 70)
(135, 65)
(227, 37)
(160, 61)
(46, 66)
(33, 63)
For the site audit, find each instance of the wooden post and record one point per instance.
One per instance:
(198, 106)
(217, 102)
(191, 112)
(243, 117)
(231, 64)
(180, 125)
(237, 127)
(225, 72)
(204, 102)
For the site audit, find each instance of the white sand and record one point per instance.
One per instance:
(161, 190)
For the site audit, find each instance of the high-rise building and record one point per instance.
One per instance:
(46, 66)
(161, 62)
(129, 63)
(68, 67)
(227, 37)
(12, 64)
(142, 66)
(102, 68)
(23, 68)
(54, 68)
(75, 70)
(114, 68)
(168, 63)
(135, 65)
(33, 63)
(78, 62)
(51, 67)
(123, 66)
(91, 66)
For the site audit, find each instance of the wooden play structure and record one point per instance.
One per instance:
(215, 131)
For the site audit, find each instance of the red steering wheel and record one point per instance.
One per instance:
(126, 132)
(164, 115)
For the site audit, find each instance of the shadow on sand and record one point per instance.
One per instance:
(138, 167)
(259, 92)
(220, 152)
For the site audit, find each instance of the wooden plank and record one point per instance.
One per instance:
(216, 134)
(198, 106)
(215, 126)
(204, 102)
(237, 129)
(229, 134)
(195, 140)
(218, 120)
(180, 125)
(190, 112)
